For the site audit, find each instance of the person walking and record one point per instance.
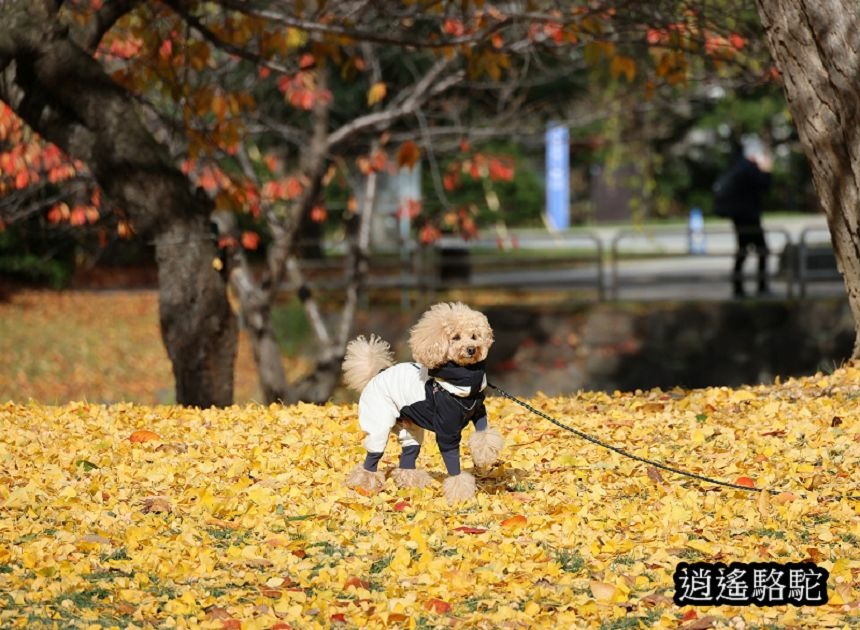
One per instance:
(739, 196)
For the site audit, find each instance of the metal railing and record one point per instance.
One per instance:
(578, 261)
(646, 250)
(822, 252)
(571, 261)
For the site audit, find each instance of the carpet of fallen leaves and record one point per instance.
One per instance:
(98, 346)
(135, 516)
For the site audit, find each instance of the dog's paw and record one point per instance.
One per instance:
(459, 488)
(411, 478)
(486, 446)
(366, 480)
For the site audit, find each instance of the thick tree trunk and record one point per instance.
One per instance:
(199, 330)
(816, 44)
(65, 96)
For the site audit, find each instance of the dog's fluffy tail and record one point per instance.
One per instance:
(365, 358)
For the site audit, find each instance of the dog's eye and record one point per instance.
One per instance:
(473, 337)
(456, 338)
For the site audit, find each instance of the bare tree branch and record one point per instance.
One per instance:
(357, 263)
(430, 85)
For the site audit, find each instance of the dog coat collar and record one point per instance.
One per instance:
(461, 380)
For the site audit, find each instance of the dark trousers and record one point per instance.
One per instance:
(750, 235)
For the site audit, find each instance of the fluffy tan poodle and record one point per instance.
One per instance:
(442, 392)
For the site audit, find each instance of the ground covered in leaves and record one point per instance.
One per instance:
(99, 346)
(141, 516)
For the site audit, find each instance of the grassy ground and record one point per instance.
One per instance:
(137, 516)
(57, 347)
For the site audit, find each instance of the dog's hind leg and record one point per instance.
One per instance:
(407, 475)
(360, 477)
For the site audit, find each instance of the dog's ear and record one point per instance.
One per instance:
(428, 339)
(486, 331)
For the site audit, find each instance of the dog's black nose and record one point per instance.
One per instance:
(470, 351)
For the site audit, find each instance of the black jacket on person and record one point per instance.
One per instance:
(445, 413)
(741, 192)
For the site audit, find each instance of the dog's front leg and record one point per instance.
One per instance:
(458, 488)
(485, 445)
(460, 485)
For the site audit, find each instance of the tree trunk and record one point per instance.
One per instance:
(198, 328)
(66, 97)
(816, 44)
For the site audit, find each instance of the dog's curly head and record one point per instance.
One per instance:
(450, 331)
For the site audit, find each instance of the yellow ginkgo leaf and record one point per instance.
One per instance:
(376, 93)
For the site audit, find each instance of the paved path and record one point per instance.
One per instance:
(654, 261)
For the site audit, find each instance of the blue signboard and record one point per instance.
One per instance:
(558, 177)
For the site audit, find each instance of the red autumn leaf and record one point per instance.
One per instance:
(690, 614)
(166, 49)
(78, 216)
(470, 530)
(653, 36)
(338, 618)
(408, 154)
(397, 618)
(318, 214)
(272, 162)
(250, 240)
(378, 160)
(401, 505)
(293, 188)
(264, 72)
(22, 179)
(501, 170)
(737, 41)
(143, 435)
(281, 626)
(304, 99)
(355, 582)
(454, 27)
(231, 624)
(410, 208)
(306, 61)
(437, 606)
(429, 234)
(747, 482)
(225, 242)
(553, 30)
(55, 215)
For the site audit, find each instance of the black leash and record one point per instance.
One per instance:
(621, 451)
